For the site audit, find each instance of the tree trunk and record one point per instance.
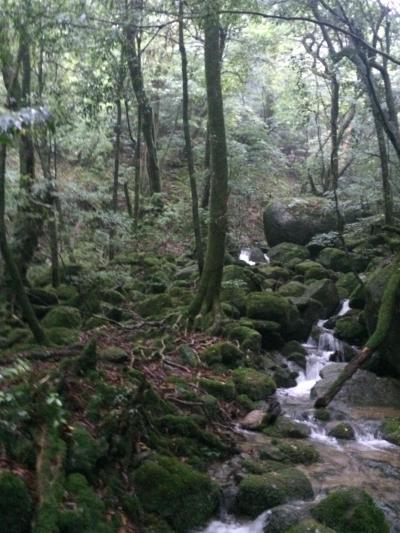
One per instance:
(334, 166)
(138, 168)
(188, 142)
(12, 269)
(117, 148)
(384, 160)
(135, 71)
(207, 298)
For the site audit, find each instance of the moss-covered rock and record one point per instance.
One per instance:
(62, 336)
(176, 492)
(248, 338)
(324, 292)
(15, 504)
(67, 293)
(334, 259)
(351, 330)
(155, 306)
(222, 353)
(298, 452)
(222, 390)
(310, 526)
(112, 296)
(390, 430)
(286, 252)
(84, 451)
(272, 307)
(257, 493)
(293, 288)
(286, 428)
(342, 431)
(347, 282)
(46, 297)
(235, 296)
(113, 354)
(274, 273)
(240, 277)
(86, 511)
(62, 317)
(256, 385)
(351, 511)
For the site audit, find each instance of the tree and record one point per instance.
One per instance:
(207, 298)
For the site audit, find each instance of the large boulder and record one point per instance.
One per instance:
(257, 493)
(273, 307)
(326, 293)
(182, 496)
(350, 511)
(297, 220)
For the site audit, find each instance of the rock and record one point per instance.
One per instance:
(365, 389)
(235, 296)
(297, 220)
(62, 336)
(84, 451)
(248, 338)
(297, 452)
(286, 428)
(188, 356)
(112, 297)
(272, 307)
(257, 493)
(222, 353)
(256, 385)
(285, 378)
(342, 431)
(286, 252)
(242, 277)
(257, 255)
(255, 420)
(347, 282)
(281, 518)
(334, 259)
(113, 354)
(15, 504)
(176, 492)
(222, 390)
(323, 240)
(350, 511)
(310, 526)
(274, 273)
(63, 317)
(390, 430)
(350, 330)
(155, 306)
(310, 311)
(42, 297)
(293, 347)
(293, 288)
(325, 292)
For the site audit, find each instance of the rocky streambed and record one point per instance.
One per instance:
(342, 447)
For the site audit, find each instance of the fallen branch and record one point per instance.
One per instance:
(386, 312)
(46, 354)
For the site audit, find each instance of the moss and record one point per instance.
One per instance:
(349, 329)
(276, 273)
(67, 293)
(223, 391)
(62, 316)
(112, 297)
(88, 360)
(287, 251)
(293, 288)
(87, 513)
(45, 297)
(343, 431)
(182, 496)
(257, 385)
(241, 277)
(286, 428)
(155, 306)
(224, 353)
(348, 282)
(390, 430)
(322, 414)
(334, 259)
(248, 338)
(257, 493)
(325, 292)
(272, 307)
(244, 401)
(84, 451)
(235, 296)
(62, 336)
(15, 504)
(298, 452)
(351, 511)
(310, 526)
(113, 354)
(18, 335)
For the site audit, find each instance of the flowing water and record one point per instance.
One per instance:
(368, 461)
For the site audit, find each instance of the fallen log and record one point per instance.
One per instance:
(385, 315)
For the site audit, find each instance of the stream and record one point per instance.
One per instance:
(368, 461)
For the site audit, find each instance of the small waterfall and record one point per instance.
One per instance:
(245, 254)
(233, 526)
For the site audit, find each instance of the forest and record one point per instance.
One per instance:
(199, 266)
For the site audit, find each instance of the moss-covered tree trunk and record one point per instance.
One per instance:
(11, 266)
(188, 142)
(207, 298)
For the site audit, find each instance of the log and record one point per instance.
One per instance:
(385, 315)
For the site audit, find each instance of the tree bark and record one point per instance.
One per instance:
(188, 142)
(12, 269)
(207, 298)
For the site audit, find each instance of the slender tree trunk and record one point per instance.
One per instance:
(205, 200)
(136, 75)
(334, 166)
(188, 142)
(117, 148)
(138, 168)
(12, 269)
(207, 298)
(385, 173)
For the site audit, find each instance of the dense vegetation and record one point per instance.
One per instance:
(143, 145)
